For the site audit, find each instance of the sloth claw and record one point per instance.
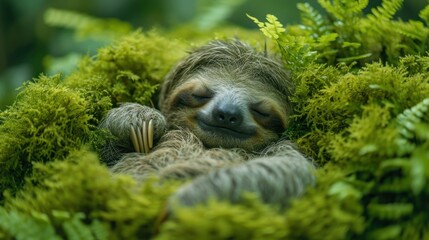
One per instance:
(142, 137)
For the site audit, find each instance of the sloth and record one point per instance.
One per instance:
(222, 112)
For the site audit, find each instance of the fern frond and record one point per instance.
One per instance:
(76, 229)
(412, 29)
(408, 120)
(390, 211)
(387, 9)
(21, 226)
(388, 166)
(272, 28)
(419, 171)
(212, 13)
(394, 175)
(385, 233)
(424, 14)
(395, 185)
(342, 10)
(312, 20)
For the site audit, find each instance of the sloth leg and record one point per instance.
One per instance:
(276, 179)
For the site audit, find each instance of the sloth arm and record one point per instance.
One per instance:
(281, 174)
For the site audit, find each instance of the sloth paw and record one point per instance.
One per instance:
(142, 137)
(135, 128)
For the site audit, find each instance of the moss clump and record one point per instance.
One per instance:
(130, 70)
(53, 116)
(59, 190)
(360, 106)
(47, 121)
(336, 218)
(221, 220)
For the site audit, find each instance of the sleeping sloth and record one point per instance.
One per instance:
(222, 112)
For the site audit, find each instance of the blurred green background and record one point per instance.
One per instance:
(28, 45)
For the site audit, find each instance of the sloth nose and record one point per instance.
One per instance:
(227, 115)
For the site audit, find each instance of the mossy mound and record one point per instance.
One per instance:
(361, 111)
(53, 116)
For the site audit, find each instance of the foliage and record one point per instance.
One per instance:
(361, 112)
(214, 13)
(53, 116)
(65, 195)
(15, 225)
(221, 220)
(46, 122)
(368, 118)
(346, 34)
(86, 26)
(129, 70)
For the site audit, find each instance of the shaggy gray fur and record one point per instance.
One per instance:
(264, 164)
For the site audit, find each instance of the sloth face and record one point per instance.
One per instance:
(229, 96)
(228, 112)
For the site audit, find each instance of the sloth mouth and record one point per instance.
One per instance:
(220, 130)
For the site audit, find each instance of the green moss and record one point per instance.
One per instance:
(331, 210)
(52, 116)
(129, 70)
(356, 104)
(221, 220)
(368, 139)
(46, 122)
(79, 184)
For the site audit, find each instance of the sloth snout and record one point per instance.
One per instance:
(227, 115)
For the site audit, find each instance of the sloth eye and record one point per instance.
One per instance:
(265, 114)
(201, 96)
(260, 113)
(261, 110)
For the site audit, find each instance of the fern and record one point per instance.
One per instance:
(387, 10)
(408, 122)
(296, 51)
(213, 13)
(38, 226)
(76, 229)
(390, 211)
(419, 171)
(272, 28)
(413, 29)
(385, 233)
(343, 10)
(20, 226)
(313, 21)
(424, 14)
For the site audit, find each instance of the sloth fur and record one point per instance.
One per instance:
(222, 112)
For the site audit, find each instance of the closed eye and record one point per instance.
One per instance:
(260, 113)
(201, 97)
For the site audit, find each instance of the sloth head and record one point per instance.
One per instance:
(229, 95)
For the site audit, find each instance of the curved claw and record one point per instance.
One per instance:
(142, 138)
(134, 140)
(145, 137)
(150, 133)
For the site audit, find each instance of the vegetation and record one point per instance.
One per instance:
(361, 111)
